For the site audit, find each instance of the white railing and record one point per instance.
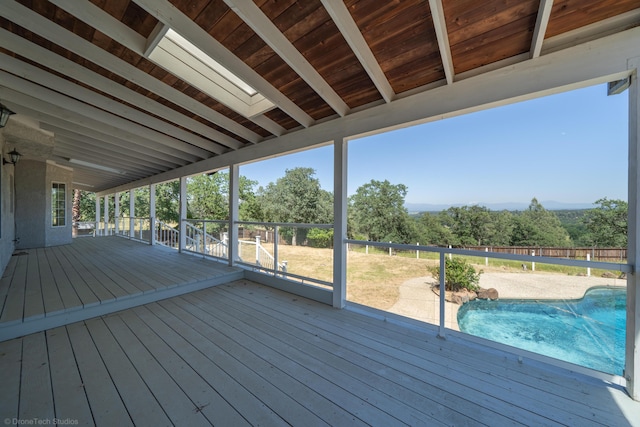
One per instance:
(166, 235)
(84, 229)
(264, 259)
(442, 313)
(135, 228)
(203, 239)
(271, 262)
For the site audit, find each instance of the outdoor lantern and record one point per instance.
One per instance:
(4, 115)
(14, 156)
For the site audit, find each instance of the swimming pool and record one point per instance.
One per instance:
(588, 332)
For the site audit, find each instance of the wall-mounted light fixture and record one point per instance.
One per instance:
(14, 156)
(4, 115)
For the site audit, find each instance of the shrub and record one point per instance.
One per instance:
(320, 238)
(459, 275)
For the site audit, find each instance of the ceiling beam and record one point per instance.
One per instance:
(580, 66)
(351, 33)
(177, 147)
(93, 138)
(167, 13)
(100, 152)
(72, 153)
(251, 14)
(43, 78)
(440, 26)
(32, 21)
(69, 68)
(108, 25)
(585, 34)
(28, 105)
(542, 20)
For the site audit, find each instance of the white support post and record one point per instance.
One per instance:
(132, 212)
(417, 251)
(443, 273)
(258, 250)
(152, 214)
(106, 215)
(182, 225)
(632, 352)
(275, 253)
(97, 226)
(340, 157)
(116, 213)
(486, 259)
(588, 268)
(234, 201)
(533, 263)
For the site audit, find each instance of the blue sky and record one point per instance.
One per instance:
(569, 148)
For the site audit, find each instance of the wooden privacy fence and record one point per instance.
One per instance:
(595, 254)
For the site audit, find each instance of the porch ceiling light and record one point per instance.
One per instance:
(4, 115)
(14, 156)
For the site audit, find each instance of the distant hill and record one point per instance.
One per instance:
(515, 206)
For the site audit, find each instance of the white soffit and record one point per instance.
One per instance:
(180, 57)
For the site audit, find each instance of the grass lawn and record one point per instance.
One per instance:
(374, 279)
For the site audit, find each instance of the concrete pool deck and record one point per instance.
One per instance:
(419, 302)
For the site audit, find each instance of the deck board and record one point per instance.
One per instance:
(66, 384)
(13, 309)
(61, 281)
(389, 343)
(142, 406)
(35, 382)
(106, 405)
(245, 354)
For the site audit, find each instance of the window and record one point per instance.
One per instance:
(58, 204)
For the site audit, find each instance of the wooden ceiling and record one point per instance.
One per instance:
(81, 68)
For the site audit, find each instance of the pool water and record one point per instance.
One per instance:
(588, 332)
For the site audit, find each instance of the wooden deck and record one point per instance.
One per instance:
(47, 287)
(245, 354)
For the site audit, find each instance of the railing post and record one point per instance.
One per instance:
(533, 263)
(106, 215)
(97, 227)
(275, 253)
(258, 250)
(152, 214)
(132, 213)
(182, 225)
(116, 213)
(204, 237)
(443, 290)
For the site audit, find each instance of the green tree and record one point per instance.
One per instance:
(472, 225)
(537, 226)
(378, 213)
(208, 196)
(297, 197)
(607, 223)
(431, 231)
(168, 202)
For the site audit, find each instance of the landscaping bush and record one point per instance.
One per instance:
(459, 275)
(320, 238)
